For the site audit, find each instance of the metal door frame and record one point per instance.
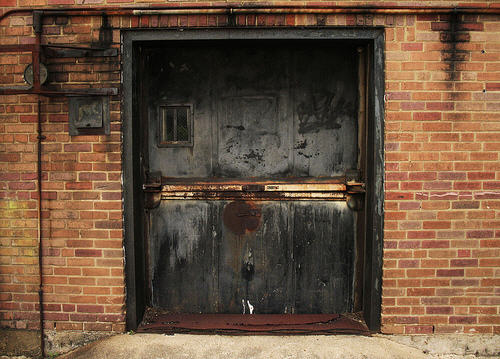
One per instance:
(134, 231)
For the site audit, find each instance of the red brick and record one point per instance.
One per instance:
(480, 234)
(462, 320)
(88, 253)
(439, 310)
(84, 308)
(78, 147)
(419, 329)
(463, 263)
(427, 116)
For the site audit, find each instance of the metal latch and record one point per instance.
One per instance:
(153, 182)
(253, 188)
(152, 189)
(355, 189)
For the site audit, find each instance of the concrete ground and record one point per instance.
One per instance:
(158, 346)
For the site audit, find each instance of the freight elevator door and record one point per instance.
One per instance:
(250, 153)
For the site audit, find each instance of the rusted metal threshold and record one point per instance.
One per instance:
(332, 189)
(253, 324)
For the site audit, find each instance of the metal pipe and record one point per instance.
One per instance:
(313, 10)
(175, 9)
(61, 92)
(17, 48)
(40, 137)
(35, 55)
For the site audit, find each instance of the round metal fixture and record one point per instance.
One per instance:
(354, 202)
(28, 74)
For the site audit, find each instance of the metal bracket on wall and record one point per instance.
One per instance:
(78, 51)
(50, 50)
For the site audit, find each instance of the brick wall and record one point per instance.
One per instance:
(442, 209)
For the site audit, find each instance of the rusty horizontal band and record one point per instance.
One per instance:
(314, 10)
(256, 187)
(259, 324)
(18, 48)
(62, 92)
(255, 196)
(246, 8)
(326, 190)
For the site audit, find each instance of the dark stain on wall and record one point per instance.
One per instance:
(453, 34)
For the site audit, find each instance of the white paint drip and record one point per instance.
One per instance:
(243, 303)
(250, 307)
(444, 194)
(486, 193)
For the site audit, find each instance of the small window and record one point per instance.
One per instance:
(176, 126)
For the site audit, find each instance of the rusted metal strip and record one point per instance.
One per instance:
(62, 92)
(252, 324)
(316, 10)
(18, 48)
(247, 8)
(324, 190)
(255, 187)
(256, 196)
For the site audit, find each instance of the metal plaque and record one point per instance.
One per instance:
(89, 115)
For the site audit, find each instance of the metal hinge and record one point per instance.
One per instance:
(152, 189)
(153, 182)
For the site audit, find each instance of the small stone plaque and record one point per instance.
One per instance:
(89, 115)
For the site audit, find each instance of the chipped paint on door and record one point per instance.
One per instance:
(253, 216)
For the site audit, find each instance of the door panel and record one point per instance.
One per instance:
(248, 220)
(254, 265)
(174, 76)
(253, 135)
(323, 249)
(184, 254)
(325, 118)
(275, 256)
(252, 139)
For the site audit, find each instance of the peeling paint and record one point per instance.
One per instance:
(250, 307)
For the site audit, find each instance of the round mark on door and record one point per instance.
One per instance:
(241, 217)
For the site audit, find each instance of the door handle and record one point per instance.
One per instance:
(153, 182)
(152, 190)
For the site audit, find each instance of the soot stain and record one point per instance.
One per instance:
(322, 111)
(254, 155)
(301, 145)
(451, 36)
(240, 127)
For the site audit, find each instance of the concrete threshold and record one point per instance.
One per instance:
(159, 346)
(22, 344)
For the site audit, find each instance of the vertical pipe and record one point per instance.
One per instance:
(35, 55)
(37, 26)
(40, 137)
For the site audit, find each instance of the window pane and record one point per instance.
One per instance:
(182, 124)
(169, 125)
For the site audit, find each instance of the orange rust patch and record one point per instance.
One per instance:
(241, 217)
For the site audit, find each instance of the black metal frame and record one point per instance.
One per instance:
(135, 267)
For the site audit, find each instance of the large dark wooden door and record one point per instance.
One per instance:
(250, 157)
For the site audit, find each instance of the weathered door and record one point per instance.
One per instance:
(250, 152)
